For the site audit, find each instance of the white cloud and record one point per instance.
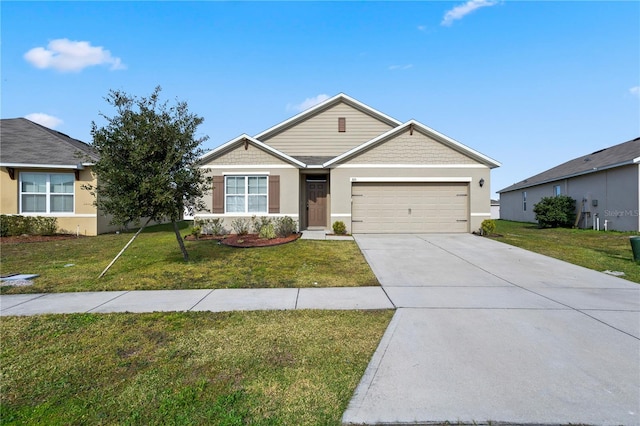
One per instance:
(463, 10)
(44, 119)
(308, 103)
(67, 55)
(635, 91)
(422, 28)
(400, 67)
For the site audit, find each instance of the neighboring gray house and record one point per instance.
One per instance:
(605, 185)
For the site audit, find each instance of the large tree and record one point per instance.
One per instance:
(147, 165)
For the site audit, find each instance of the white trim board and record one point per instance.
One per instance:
(411, 179)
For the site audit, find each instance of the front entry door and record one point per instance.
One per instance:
(316, 203)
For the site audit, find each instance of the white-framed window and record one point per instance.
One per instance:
(557, 190)
(524, 201)
(245, 194)
(47, 192)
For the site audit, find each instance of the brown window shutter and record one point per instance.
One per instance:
(218, 194)
(274, 194)
(342, 124)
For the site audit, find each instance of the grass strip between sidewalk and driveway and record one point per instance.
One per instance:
(154, 262)
(598, 250)
(193, 368)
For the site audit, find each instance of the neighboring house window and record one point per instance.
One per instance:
(524, 201)
(246, 194)
(342, 124)
(557, 191)
(46, 192)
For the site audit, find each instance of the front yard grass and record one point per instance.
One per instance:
(193, 368)
(154, 261)
(596, 250)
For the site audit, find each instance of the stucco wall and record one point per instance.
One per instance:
(84, 218)
(615, 192)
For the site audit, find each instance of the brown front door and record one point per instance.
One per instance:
(316, 203)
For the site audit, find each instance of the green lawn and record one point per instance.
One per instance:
(194, 368)
(596, 250)
(154, 261)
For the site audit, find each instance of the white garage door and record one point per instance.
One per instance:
(402, 207)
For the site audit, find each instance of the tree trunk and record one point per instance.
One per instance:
(125, 247)
(180, 242)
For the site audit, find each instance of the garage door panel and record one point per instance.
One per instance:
(393, 207)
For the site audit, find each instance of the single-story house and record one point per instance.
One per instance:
(342, 160)
(41, 174)
(605, 185)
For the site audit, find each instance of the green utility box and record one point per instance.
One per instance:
(635, 248)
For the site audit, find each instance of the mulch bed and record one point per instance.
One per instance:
(245, 241)
(16, 239)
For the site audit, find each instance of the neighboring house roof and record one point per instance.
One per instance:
(615, 156)
(28, 144)
(304, 115)
(413, 124)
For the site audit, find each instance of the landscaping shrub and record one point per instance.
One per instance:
(240, 225)
(210, 226)
(29, 225)
(260, 222)
(267, 232)
(488, 226)
(553, 212)
(339, 228)
(285, 226)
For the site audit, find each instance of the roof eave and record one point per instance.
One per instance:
(78, 166)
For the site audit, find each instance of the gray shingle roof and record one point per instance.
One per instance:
(614, 156)
(314, 160)
(24, 142)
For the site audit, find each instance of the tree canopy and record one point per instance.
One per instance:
(148, 160)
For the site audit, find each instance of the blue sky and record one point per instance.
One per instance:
(530, 84)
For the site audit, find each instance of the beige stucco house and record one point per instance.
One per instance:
(605, 185)
(345, 161)
(41, 174)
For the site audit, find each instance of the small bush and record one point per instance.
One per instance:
(553, 212)
(196, 231)
(29, 225)
(285, 226)
(240, 225)
(259, 222)
(339, 228)
(488, 226)
(267, 232)
(210, 226)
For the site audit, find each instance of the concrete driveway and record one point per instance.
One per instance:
(487, 332)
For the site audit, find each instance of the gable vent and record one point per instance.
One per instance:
(342, 124)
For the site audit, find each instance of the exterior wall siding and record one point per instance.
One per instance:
(615, 191)
(252, 155)
(319, 136)
(406, 148)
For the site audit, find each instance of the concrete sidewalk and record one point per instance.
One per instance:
(490, 333)
(196, 300)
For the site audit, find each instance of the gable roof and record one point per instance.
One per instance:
(608, 158)
(248, 139)
(25, 143)
(490, 162)
(339, 98)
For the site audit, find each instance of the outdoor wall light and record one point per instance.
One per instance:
(481, 182)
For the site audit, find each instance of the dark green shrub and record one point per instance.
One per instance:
(339, 228)
(488, 226)
(554, 212)
(27, 225)
(285, 226)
